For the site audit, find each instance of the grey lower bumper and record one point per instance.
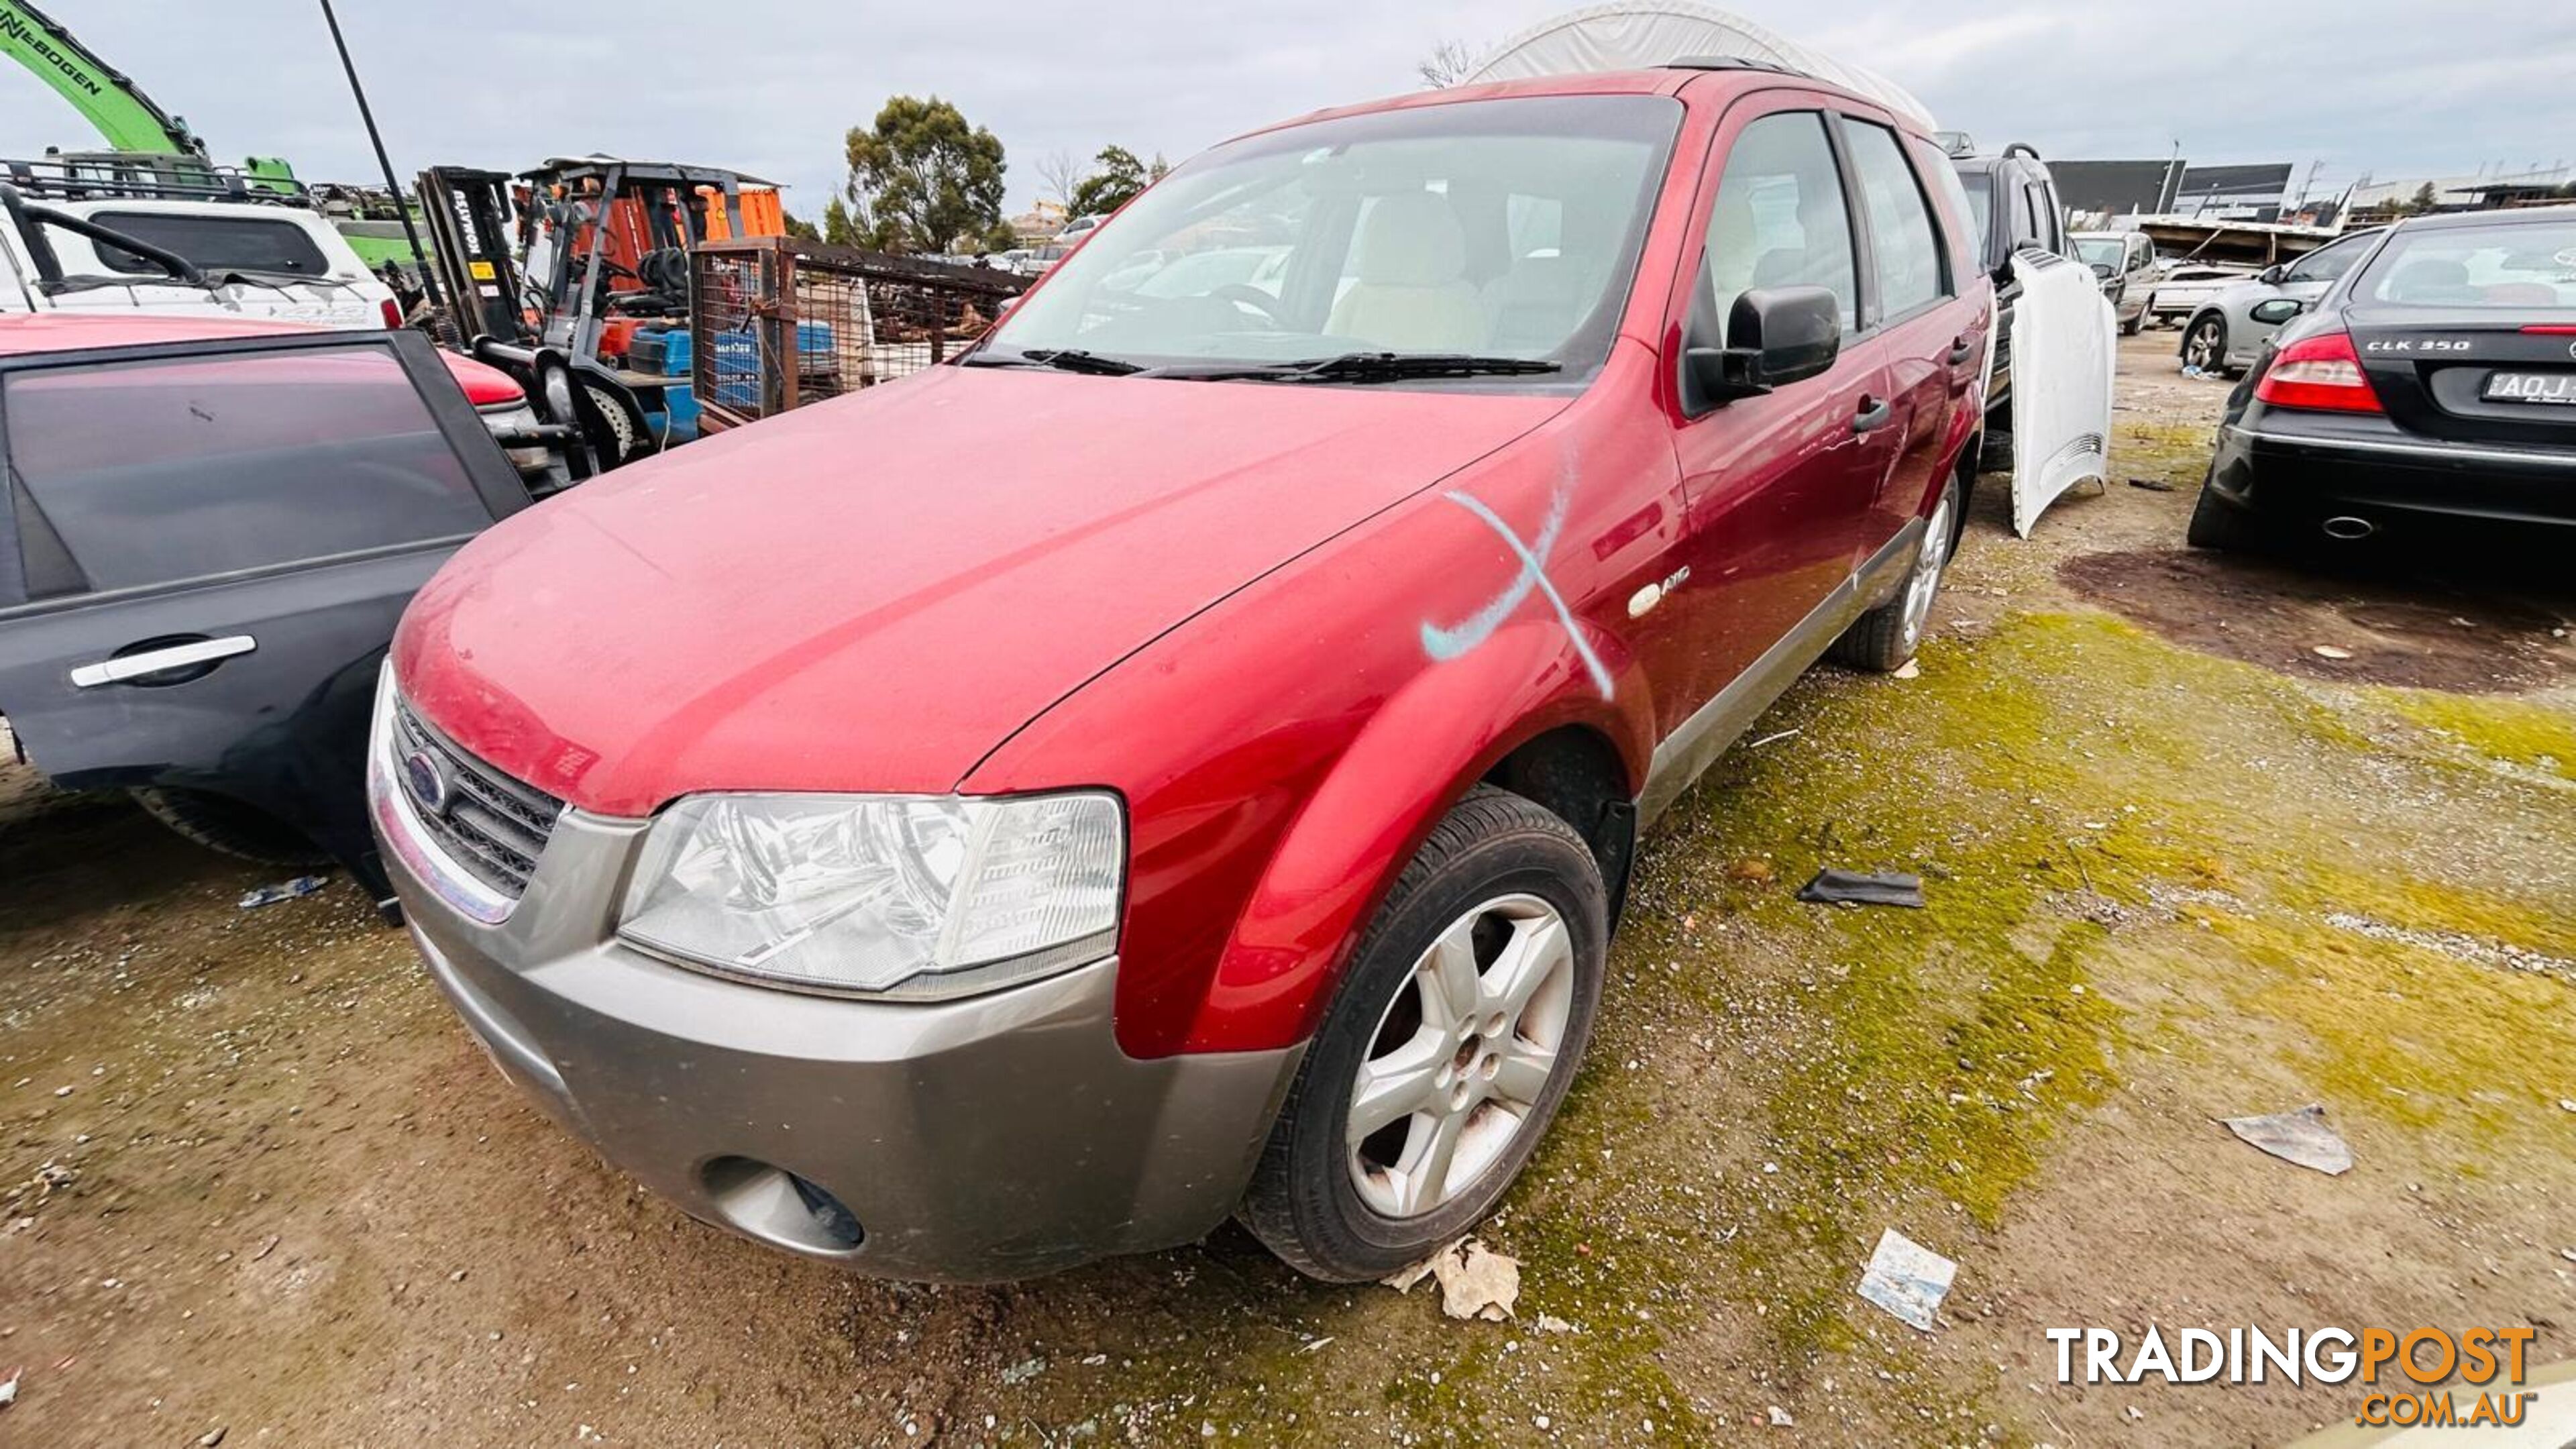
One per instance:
(978, 1140)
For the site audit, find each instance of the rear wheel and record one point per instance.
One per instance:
(2204, 346)
(226, 825)
(1448, 1046)
(1887, 636)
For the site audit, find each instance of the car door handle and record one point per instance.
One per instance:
(1962, 349)
(1874, 413)
(124, 667)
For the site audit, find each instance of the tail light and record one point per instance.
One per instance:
(2321, 373)
(393, 313)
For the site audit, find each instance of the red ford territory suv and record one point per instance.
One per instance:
(1184, 758)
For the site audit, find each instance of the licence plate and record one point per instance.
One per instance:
(2546, 388)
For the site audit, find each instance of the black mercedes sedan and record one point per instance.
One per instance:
(2437, 381)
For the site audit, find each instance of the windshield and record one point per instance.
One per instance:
(1503, 228)
(2098, 251)
(2521, 268)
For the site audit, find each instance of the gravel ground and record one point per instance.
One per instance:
(2181, 865)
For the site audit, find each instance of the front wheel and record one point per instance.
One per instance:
(1448, 1046)
(1883, 639)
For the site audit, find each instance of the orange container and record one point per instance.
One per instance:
(763, 214)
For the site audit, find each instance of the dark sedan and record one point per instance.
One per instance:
(2437, 381)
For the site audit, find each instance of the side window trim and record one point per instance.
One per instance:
(1855, 215)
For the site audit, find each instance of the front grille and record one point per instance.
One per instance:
(493, 826)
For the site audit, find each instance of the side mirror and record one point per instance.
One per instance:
(2273, 311)
(2102, 270)
(1774, 336)
(2271, 276)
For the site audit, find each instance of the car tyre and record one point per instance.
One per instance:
(2223, 526)
(1477, 983)
(227, 826)
(2204, 343)
(1883, 639)
(2135, 325)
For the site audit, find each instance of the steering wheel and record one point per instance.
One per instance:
(1255, 298)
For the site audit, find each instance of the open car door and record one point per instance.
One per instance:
(2063, 332)
(203, 550)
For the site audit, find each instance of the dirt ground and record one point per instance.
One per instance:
(2181, 865)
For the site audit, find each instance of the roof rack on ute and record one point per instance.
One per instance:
(138, 176)
(1733, 62)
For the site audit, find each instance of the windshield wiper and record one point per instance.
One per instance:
(1368, 367)
(1068, 359)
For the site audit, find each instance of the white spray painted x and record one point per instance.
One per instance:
(1449, 643)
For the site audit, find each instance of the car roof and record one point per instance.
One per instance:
(2509, 216)
(1657, 81)
(25, 334)
(22, 333)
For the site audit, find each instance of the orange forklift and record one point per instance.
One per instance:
(566, 272)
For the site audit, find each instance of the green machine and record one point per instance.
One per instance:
(148, 143)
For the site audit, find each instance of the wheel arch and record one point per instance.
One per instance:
(1409, 765)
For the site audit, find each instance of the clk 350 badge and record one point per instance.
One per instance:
(2418, 344)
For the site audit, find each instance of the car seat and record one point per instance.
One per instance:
(2433, 280)
(1412, 294)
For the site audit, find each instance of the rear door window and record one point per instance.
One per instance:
(246, 243)
(1780, 219)
(1911, 270)
(156, 472)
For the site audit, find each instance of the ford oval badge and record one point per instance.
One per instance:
(426, 782)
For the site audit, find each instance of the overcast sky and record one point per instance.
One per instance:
(768, 86)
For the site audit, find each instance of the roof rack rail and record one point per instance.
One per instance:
(2022, 148)
(146, 176)
(1733, 62)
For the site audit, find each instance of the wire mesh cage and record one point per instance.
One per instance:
(778, 322)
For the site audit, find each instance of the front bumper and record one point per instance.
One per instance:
(979, 1140)
(2317, 465)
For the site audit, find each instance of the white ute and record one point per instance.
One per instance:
(275, 262)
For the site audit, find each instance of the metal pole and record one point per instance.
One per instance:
(402, 205)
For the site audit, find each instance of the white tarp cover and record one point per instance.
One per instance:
(1637, 37)
(2062, 336)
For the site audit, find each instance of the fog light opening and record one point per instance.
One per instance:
(777, 1206)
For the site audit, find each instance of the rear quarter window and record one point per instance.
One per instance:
(246, 243)
(157, 472)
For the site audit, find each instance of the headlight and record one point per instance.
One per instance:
(904, 896)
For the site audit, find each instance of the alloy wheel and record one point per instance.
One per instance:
(2202, 352)
(1925, 580)
(1461, 1056)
